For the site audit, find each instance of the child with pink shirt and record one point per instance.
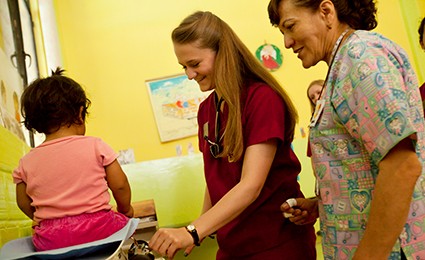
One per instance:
(62, 184)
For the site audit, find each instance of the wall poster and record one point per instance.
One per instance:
(11, 80)
(175, 101)
(11, 84)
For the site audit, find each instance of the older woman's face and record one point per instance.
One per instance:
(304, 31)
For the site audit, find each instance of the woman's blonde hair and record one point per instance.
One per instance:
(234, 65)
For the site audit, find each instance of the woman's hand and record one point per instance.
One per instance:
(167, 241)
(305, 211)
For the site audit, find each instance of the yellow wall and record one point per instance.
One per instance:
(413, 12)
(113, 47)
(13, 223)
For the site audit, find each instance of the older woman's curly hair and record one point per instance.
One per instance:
(358, 14)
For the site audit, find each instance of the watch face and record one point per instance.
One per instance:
(190, 227)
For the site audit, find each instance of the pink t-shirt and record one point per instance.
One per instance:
(66, 176)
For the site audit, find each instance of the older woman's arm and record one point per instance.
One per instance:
(398, 173)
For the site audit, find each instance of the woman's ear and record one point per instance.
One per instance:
(327, 11)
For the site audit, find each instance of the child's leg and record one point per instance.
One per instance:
(75, 230)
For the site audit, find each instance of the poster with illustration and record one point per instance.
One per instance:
(11, 84)
(175, 101)
(11, 80)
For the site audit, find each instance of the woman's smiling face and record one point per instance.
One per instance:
(305, 31)
(197, 62)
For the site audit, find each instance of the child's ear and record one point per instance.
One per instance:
(81, 115)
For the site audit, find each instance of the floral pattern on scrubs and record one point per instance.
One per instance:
(372, 102)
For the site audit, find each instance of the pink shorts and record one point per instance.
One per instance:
(74, 230)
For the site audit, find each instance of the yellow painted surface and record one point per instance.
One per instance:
(113, 47)
(413, 11)
(13, 223)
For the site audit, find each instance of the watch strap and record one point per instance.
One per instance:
(194, 233)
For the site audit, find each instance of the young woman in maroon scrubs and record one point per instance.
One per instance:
(246, 127)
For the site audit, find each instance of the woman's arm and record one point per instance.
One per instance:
(256, 166)
(207, 201)
(398, 173)
(118, 183)
(23, 200)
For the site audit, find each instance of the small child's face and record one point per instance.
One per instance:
(314, 93)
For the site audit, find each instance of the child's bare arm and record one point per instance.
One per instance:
(23, 200)
(118, 183)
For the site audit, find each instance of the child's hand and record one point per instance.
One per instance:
(130, 212)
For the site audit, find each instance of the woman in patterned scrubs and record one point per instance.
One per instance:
(367, 134)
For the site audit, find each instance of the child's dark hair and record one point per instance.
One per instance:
(52, 102)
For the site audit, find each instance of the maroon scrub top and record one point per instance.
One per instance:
(261, 226)
(309, 154)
